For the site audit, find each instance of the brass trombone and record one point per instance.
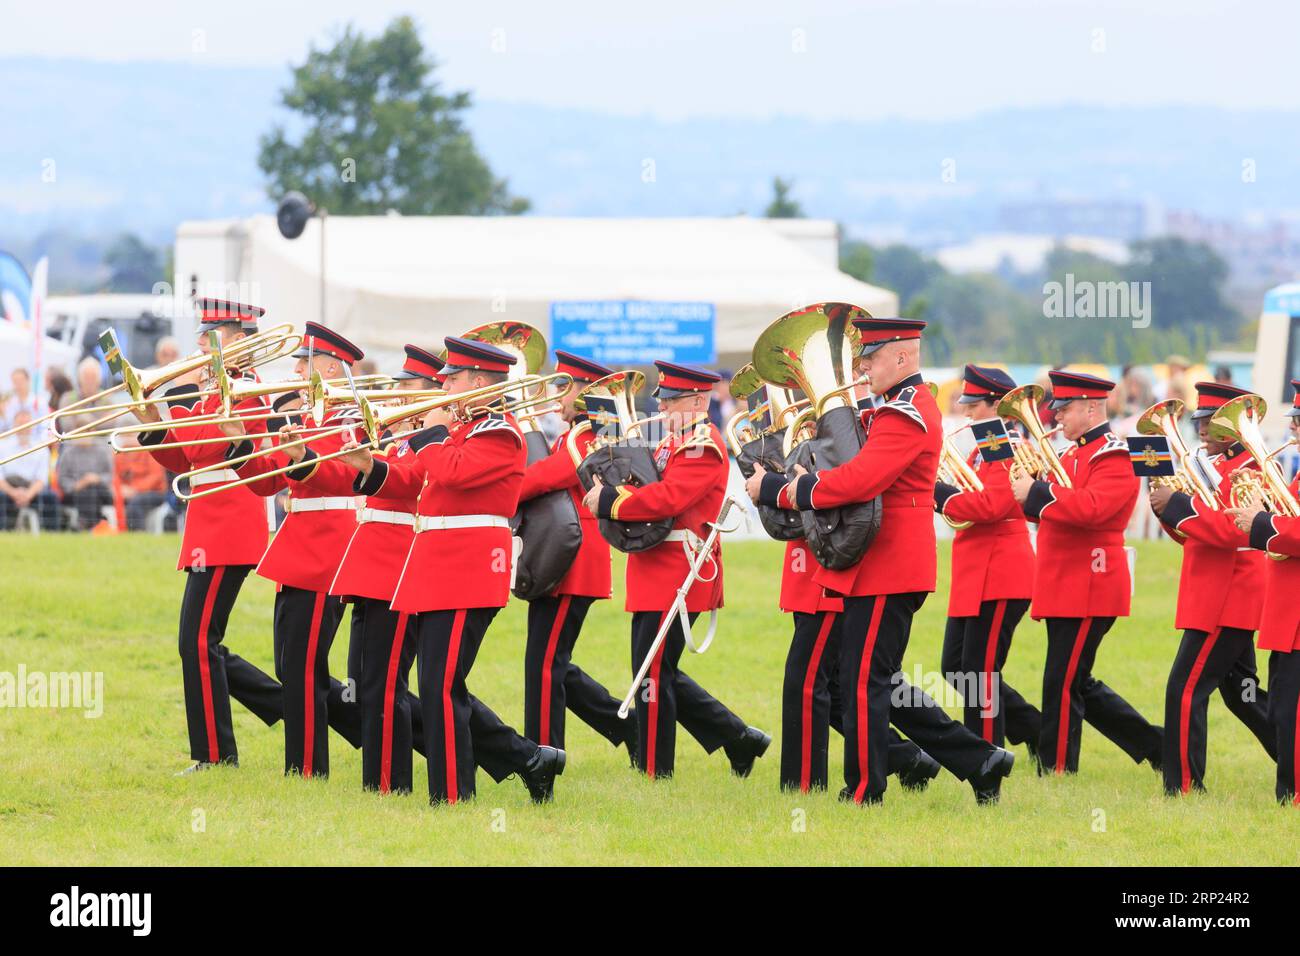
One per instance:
(374, 420)
(1035, 457)
(139, 384)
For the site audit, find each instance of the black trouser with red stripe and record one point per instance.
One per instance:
(210, 674)
(1072, 695)
(461, 732)
(1284, 715)
(668, 696)
(1222, 659)
(974, 650)
(875, 635)
(553, 682)
(382, 649)
(305, 625)
(812, 705)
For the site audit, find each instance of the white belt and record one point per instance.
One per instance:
(298, 505)
(367, 515)
(212, 477)
(678, 535)
(447, 522)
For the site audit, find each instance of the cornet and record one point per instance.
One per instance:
(1035, 457)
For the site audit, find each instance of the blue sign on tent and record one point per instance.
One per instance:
(636, 333)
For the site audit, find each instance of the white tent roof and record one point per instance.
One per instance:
(395, 279)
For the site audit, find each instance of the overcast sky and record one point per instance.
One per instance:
(925, 58)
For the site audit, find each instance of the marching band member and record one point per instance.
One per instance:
(1219, 598)
(552, 681)
(382, 644)
(467, 473)
(1279, 626)
(304, 557)
(694, 468)
(225, 536)
(1081, 581)
(899, 462)
(992, 581)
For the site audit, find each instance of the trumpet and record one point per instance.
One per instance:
(375, 420)
(1162, 419)
(1035, 457)
(954, 470)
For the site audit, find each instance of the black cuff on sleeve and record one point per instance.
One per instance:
(428, 436)
(285, 398)
(803, 490)
(1040, 496)
(1178, 510)
(152, 437)
(605, 503)
(183, 396)
(304, 468)
(371, 483)
(769, 489)
(239, 449)
(1262, 531)
(942, 492)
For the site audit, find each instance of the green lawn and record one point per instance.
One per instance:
(75, 790)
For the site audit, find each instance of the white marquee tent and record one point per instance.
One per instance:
(394, 279)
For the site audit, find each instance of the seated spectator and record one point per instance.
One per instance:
(167, 350)
(25, 481)
(85, 473)
(141, 483)
(20, 399)
(57, 387)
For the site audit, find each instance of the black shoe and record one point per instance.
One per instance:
(742, 753)
(988, 782)
(870, 799)
(539, 776)
(205, 765)
(918, 775)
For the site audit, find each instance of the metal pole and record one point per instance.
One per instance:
(323, 214)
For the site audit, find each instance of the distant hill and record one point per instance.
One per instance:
(141, 146)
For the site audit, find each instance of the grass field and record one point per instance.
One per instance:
(76, 790)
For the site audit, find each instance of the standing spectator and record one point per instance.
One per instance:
(20, 399)
(57, 385)
(85, 472)
(1178, 386)
(25, 481)
(141, 483)
(1223, 375)
(167, 350)
(721, 405)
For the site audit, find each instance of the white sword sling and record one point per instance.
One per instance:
(678, 610)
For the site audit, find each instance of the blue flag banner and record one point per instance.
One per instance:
(1150, 456)
(992, 439)
(636, 333)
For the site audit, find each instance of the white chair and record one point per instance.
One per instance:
(28, 520)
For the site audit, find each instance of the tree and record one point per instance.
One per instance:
(905, 270)
(1186, 285)
(857, 260)
(782, 206)
(379, 134)
(132, 265)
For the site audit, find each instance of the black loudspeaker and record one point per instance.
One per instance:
(292, 213)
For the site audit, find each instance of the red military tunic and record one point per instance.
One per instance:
(1222, 576)
(372, 563)
(1279, 625)
(226, 528)
(307, 549)
(898, 461)
(992, 560)
(474, 470)
(1082, 569)
(590, 574)
(693, 482)
(799, 589)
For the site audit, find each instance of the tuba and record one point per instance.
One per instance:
(1238, 421)
(759, 440)
(618, 455)
(812, 349)
(1162, 419)
(1035, 457)
(548, 527)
